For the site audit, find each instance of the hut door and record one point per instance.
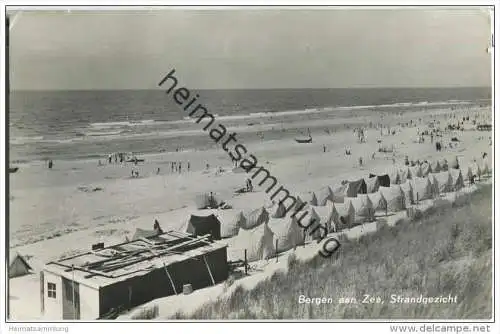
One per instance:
(71, 299)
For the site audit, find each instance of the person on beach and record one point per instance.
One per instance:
(360, 162)
(180, 167)
(158, 171)
(407, 162)
(324, 148)
(109, 158)
(157, 228)
(189, 166)
(51, 164)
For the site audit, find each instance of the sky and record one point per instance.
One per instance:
(258, 49)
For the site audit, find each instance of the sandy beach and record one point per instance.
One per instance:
(62, 211)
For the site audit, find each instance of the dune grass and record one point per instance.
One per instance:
(447, 252)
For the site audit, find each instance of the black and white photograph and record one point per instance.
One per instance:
(272, 163)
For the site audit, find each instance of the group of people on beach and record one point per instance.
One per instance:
(176, 166)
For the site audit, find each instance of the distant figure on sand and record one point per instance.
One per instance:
(189, 166)
(324, 148)
(360, 161)
(249, 185)
(158, 171)
(51, 163)
(180, 167)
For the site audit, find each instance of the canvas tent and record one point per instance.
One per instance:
(339, 193)
(278, 210)
(258, 242)
(407, 193)
(306, 198)
(18, 266)
(425, 169)
(254, 218)
(422, 188)
(323, 195)
(347, 215)
(372, 184)
(327, 215)
(355, 187)
(378, 201)
(444, 182)
(457, 179)
(415, 171)
(394, 198)
(206, 201)
(287, 232)
(383, 180)
(230, 222)
(202, 225)
(485, 169)
(363, 207)
(394, 176)
(404, 174)
(435, 166)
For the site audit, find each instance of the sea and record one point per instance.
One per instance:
(91, 124)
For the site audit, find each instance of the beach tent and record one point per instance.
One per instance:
(306, 198)
(323, 195)
(426, 169)
(404, 174)
(378, 201)
(457, 179)
(258, 242)
(444, 165)
(435, 166)
(394, 176)
(422, 188)
(444, 181)
(434, 184)
(287, 232)
(254, 218)
(327, 214)
(363, 206)
(202, 225)
(18, 266)
(355, 187)
(141, 233)
(347, 215)
(415, 171)
(383, 180)
(230, 222)
(206, 201)
(278, 210)
(408, 193)
(339, 193)
(372, 184)
(394, 198)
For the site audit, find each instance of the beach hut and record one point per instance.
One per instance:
(347, 215)
(258, 242)
(363, 207)
(355, 187)
(323, 195)
(372, 184)
(422, 188)
(202, 225)
(254, 218)
(408, 193)
(378, 201)
(415, 171)
(394, 198)
(287, 233)
(457, 179)
(230, 222)
(18, 266)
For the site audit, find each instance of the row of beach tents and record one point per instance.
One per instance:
(272, 228)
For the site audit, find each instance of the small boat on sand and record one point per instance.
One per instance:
(304, 139)
(13, 169)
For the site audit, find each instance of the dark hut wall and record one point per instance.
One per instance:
(156, 284)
